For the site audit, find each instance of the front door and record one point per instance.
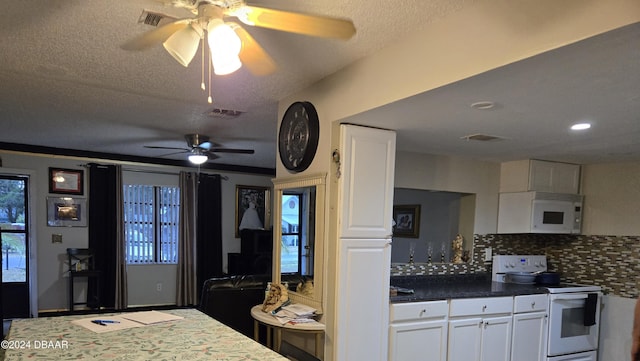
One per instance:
(14, 227)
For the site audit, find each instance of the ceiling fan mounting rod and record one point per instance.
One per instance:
(224, 4)
(207, 12)
(195, 140)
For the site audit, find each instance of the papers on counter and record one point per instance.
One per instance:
(120, 324)
(295, 313)
(150, 317)
(124, 321)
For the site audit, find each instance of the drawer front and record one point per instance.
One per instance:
(480, 306)
(418, 310)
(530, 303)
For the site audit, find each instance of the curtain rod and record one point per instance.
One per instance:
(157, 171)
(162, 172)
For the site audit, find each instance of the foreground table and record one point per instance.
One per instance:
(196, 337)
(273, 325)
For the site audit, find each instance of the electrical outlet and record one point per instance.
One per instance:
(488, 252)
(56, 238)
(159, 287)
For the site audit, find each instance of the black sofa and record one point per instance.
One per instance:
(230, 299)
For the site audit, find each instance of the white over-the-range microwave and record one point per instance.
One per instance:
(539, 212)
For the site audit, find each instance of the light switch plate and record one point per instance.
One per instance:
(56, 238)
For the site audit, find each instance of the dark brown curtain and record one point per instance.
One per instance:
(105, 231)
(208, 229)
(187, 294)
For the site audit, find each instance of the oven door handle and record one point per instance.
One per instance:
(569, 296)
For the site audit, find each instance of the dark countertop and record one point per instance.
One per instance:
(430, 288)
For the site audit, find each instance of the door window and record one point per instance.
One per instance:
(13, 221)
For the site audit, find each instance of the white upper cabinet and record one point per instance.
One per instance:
(538, 175)
(367, 157)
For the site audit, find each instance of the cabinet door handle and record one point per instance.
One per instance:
(484, 308)
(533, 304)
(423, 312)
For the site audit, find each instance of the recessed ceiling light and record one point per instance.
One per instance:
(484, 105)
(580, 126)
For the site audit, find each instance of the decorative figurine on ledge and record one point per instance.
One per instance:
(466, 256)
(456, 248)
(278, 296)
(305, 288)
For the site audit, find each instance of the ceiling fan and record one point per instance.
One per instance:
(232, 46)
(201, 149)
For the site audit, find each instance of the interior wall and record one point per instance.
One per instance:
(615, 328)
(51, 277)
(454, 174)
(439, 218)
(611, 197)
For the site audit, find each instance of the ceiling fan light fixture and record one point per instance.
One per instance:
(223, 65)
(198, 158)
(225, 45)
(183, 45)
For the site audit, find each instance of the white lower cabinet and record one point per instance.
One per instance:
(470, 329)
(530, 322)
(480, 329)
(418, 331)
(480, 339)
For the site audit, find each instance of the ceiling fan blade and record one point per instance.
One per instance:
(170, 148)
(231, 150)
(173, 153)
(252, 55)
(314, 25)
(205, 145)
(155, 36)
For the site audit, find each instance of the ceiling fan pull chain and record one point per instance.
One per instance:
(209, 99)
(203, 50)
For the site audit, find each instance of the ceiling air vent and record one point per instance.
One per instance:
(481, 137)
(154, 19)
(223, 113)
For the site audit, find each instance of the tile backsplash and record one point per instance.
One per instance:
(612, 262)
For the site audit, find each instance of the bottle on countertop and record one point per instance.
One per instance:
(266, 291)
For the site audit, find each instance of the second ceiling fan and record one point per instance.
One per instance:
(201, 149)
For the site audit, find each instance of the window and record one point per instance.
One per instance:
(151, 224)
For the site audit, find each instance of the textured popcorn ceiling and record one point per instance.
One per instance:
(66, 83)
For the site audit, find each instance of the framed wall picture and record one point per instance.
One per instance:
(66, 212)
(252, 208)
(66, 181)
(407, 221)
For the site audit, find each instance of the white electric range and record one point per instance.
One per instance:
(574, 310)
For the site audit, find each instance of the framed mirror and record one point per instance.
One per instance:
(298, 235)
